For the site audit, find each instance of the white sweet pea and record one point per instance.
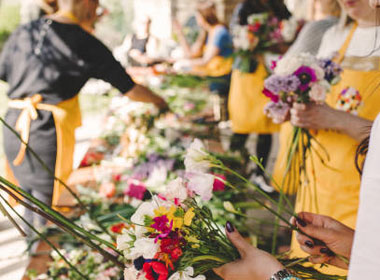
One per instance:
(196, 157)
(143, 247)
(138, 218)
(176, 189)
(187, 274)
(201, 183)
(123, 241)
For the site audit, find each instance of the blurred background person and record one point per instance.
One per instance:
(211, 54)
(139, 49)
(246, 101)
(46, 63)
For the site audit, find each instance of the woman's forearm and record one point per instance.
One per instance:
(354, 126)
(143, 94)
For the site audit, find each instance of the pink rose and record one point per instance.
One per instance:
(318, 93)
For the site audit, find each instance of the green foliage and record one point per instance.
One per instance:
(9, 20)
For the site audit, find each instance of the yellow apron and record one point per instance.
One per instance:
(67, 117)
(217, 67)
(246, 103)
(337, 191)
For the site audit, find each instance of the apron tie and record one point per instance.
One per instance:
(29, 112)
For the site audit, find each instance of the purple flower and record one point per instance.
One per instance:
(274, 84)
(291, 83)
(332, 70)
(306, 76)
(277, 111)
(274, 97)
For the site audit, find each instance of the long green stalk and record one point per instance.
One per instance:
(55, 214)
(69, 230)
(43, 237)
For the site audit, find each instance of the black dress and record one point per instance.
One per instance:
(54, 60)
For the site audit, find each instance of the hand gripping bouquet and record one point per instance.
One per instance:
(301, 79)
(262, 32)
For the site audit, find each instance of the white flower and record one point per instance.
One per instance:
(287, 66)
(186, 275)
(196, 157)
(123, 241)
(143, 247)
(138, 218)
(176, 189)
(318, 93)
(201, 183)
(131, 273)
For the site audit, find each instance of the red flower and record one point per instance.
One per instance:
(117, 228)
(116, 178)
(176, 254)
(219, 185)
(155, 271)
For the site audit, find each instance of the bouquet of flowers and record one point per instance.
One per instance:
(262, 32)
(173, 239)
(299, 79)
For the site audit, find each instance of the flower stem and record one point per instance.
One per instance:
(43, 237)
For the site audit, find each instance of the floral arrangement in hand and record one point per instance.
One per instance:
(301, 79)
(262, 32)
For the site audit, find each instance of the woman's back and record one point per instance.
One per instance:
(56, 60)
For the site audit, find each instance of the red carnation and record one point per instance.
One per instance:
(155, 271)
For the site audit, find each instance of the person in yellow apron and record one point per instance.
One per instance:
(342, 122)
(46, 63)
(246, 102)
(211, 55)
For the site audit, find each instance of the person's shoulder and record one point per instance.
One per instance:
(321, 25)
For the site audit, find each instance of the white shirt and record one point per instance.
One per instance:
(365, 259)
(362, 43)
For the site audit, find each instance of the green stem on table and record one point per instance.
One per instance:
(55, 214)
(43, 237)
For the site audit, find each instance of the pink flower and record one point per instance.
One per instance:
(277, 111)
(307, 76)
(136, 190)
(161, 225)
(219, 185)
(318, 93)
(275, 98)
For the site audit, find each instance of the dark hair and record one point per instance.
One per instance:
(250, 7)
(275, 7)
(207, 10)
(279, 9)
(360, 155)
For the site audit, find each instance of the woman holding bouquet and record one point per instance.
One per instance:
(246, 101)
(46, 63)
(343, 121)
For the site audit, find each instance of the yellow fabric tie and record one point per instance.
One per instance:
(29, 112)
